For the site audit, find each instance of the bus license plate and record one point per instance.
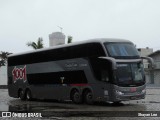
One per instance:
(133, 98)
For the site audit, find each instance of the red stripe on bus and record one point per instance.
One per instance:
(79, 84)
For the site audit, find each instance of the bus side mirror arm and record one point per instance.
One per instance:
(150, 60)
(112, 60)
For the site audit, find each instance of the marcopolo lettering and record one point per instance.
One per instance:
(19, 73)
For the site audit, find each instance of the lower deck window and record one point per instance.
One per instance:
(66, 77)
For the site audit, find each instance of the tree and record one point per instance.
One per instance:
(2, 63)
(69, 39)
(3, 58)
(37, 45)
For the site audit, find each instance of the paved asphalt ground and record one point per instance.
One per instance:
(129, 110)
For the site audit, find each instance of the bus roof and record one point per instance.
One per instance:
(98, 40)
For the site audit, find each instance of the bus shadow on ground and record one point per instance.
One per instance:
(47, 105)
(110, 104)
(68, 110)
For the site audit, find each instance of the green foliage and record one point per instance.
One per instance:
(37, 45)
(3, 58)
(2, 63)
(69, 39)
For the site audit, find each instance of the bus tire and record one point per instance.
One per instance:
(22, 95)
(116, 103)
(88, 97)
(76, 97)
(28, 95)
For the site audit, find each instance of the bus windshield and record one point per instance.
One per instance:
(121, 50)
(130, 74)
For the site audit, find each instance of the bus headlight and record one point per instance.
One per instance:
(119, 92)
(144, 91)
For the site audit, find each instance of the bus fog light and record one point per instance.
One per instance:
(119, 92)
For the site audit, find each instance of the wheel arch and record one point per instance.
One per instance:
(19, 90)
(27, 89)
(72, 90)
(86, 90)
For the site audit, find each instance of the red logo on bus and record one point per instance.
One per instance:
(133, 89)
(19, 73)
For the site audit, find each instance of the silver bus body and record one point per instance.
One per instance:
(83, 72)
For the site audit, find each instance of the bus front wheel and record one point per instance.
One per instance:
(88, 97)
(28, 95)
(76, 97)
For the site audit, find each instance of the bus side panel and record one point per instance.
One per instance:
(12, 89)
(16, 79)
(99, 74)
(52, 80)
(50, 92)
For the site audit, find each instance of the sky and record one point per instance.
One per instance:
(22, 21)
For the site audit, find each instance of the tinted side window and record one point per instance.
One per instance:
(77, 51)
(66, 77)
(87, 50)
(95, 49)
(101, 69)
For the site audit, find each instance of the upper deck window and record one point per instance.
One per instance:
(121, 50)
(63, 53)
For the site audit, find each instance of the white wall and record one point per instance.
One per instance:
(56, 38)
(3, 75)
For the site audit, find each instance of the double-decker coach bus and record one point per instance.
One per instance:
(94, 70)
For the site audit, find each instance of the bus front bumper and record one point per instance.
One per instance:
(119, 96)
(129, 97)
(129, 93)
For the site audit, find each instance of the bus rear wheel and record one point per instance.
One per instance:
(88, 97)
(76, 97)
(28, 95)
(22, 95)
